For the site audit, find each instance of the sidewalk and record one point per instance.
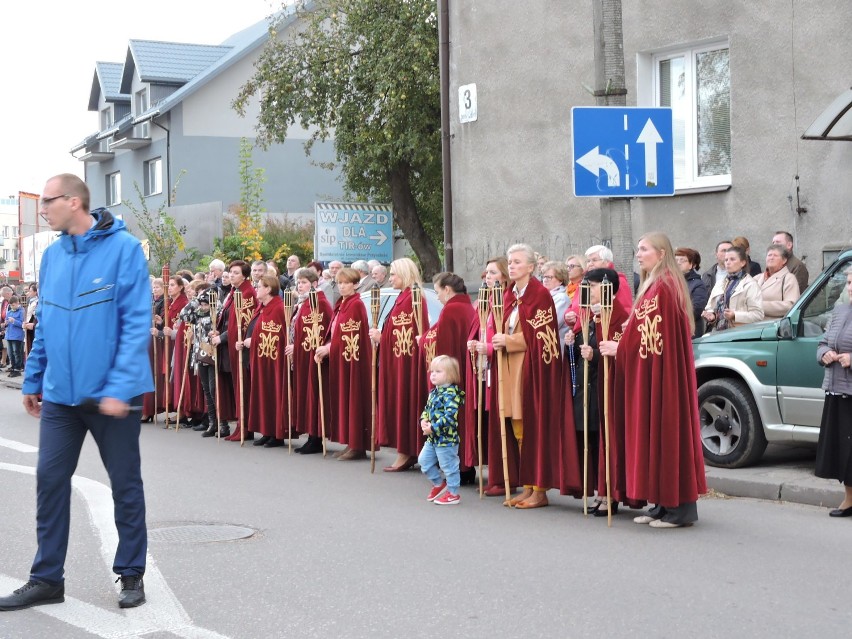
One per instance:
(785, 474)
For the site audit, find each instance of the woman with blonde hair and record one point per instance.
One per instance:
(402, 375)
(656, 401)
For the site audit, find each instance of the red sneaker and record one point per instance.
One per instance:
(447, 499)
(436, 490)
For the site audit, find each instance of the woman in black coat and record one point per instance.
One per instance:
(689, 261)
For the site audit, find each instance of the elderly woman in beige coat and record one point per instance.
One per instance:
(736, 300)
(779, 288)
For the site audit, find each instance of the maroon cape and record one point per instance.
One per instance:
(167, 370)
(541, 463)
(349, 362)
(402, 382)
(656, 402)
(148, 408)
(309, 333)
(249, 306)
(267, 408)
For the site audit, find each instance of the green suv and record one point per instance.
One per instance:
(760, 383)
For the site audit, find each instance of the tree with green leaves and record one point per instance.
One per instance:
(364, 72)
(165, 237)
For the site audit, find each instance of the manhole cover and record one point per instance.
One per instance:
(200, 533)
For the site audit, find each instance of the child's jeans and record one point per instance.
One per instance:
(16, 354)
(447, 458)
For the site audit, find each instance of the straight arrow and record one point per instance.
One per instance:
(650, 137)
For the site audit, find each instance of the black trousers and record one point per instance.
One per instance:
(207, 374)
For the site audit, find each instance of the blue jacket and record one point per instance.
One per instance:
(92, 336)
(14, 332)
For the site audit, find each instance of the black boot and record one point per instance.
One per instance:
(224, 430)
(467, 477)
(211, 431)
(311, 447)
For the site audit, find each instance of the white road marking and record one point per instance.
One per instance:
(162, 612)
(21, 448)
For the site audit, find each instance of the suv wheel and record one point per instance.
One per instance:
(731, 431)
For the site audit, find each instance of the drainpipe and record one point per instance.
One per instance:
(446, 164)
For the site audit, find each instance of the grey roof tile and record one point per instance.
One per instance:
(169, 62)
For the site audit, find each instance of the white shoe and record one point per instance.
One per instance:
(644, 519)
(659, 523)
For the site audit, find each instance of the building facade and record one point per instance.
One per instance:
(744, 81)
(167, 127)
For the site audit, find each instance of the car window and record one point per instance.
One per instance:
(817, 312)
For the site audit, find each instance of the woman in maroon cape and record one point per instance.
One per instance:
(229, 321)
(267, 404)
(349, 351)
(177, 300)
(590, 352)
(496, 272)
(402, 377)
(309, 329)
(148, 408)
(529, 336)
(449, 337)
(656, 401)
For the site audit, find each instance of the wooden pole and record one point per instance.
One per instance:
(606, 316)
(167, 363)
(187, 344)
(154, 337)
(375, 306)
(238, 314)
(482, 308)
(585, 314)
(497, 313)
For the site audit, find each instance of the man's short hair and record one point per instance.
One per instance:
(216, 265)
(72, 185)
(786, 234)
(718, 244)
(361, 265)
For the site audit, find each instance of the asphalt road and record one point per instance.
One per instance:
(336, 552)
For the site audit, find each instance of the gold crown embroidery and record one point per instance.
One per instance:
(541, 318)
(403, 319)
(351, 326)
(270, 327)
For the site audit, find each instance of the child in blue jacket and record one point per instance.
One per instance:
(440, 423)
(15, 336)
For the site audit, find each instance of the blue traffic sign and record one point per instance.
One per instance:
(622, 151)
(349, 231)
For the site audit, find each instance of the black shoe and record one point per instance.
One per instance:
(310, 447)
(838, 512)
(210, 432)
(224, 431)
(201, 426)
(132, 591)
(261, 441)
(600, 509)
(467, 477)
(148, 420)
(33, 593)
(15, 374)
(272, 443)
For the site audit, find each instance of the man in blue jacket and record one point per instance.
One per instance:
(89, 363)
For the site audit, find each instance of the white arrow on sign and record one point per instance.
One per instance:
(594, 162)
(650, 137)
(381, 237)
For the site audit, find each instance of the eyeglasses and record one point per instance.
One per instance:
(570, 266)
(45, 201)
(548, 277)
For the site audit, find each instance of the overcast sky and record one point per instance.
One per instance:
(48, 50)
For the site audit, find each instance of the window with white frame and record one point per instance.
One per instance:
(10, 254)
(113, 194)
(154, 176)
(142, 105)
(106, 122)
(696, 83)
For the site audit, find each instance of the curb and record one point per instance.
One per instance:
(794, 483)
